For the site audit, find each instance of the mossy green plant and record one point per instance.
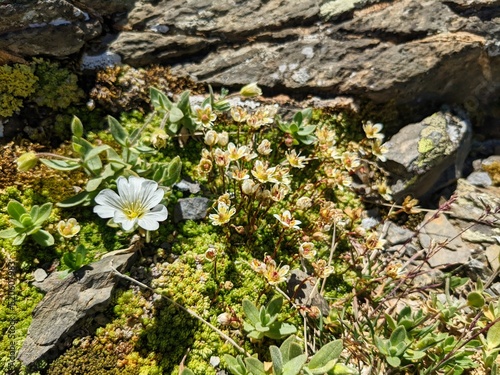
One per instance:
(17, 82)
(57, 87)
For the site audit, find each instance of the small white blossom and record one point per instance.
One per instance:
(137, 203)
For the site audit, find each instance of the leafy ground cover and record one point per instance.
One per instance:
(288, 194)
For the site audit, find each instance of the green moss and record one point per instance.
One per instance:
(26, 299)
(17, 82)
(57, 87)
(90, 361)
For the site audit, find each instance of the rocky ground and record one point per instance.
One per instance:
(430, 71)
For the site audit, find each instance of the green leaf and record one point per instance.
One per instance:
(68, 260)
(493, 336)
(277, 359)
(173, 128)
(75, 200)
(15, 209)
(61, 165)
(95, 152)
(307, 139)
(175, 115)
(42, 214)
(307, 113)
(393, 361)
(43, 238)
(236, 365)
(183, 103)
(294, 366)
(154, 95)
(255, 366)
(390, 322)
(341, 369)
(81, 145)
(306, 130)
(173, 174)
(398, 336)
(327, 355)
(164, 102)
(274, 306)
(290, 349)
(94, 165)
(298, 118)
(287, 329)
(255, 335)
(119, 133)
(382, 345)
(251, 311)
(76, 127)
(261, 327)
(27, 220)
(8, 233)
(187, 371)
(80, 254)
(475, 299)
(93, 184)
(19, 239)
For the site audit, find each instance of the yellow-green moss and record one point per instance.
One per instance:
(57, 87)
(17, 82)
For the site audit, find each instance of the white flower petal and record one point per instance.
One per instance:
(126, 223)
(151, 195)
(104, 211)
(108, 197)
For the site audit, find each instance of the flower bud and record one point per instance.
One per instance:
(249, 187)
(250, 90)
(223, 139)
(26, 161)
(211, 138)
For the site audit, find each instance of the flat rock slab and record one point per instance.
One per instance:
(442, 242)
(68, 303)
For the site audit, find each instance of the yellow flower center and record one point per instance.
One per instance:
(133, 210)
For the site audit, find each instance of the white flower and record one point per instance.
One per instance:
(137, 203)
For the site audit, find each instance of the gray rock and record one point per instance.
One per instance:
(492, 253)
(67, 304)
(397, 235)
(479, 179)
(55, 28)
(191, 209)
(478, 270)
(408, 53)
(187, 187)
(40, 274)
(420, 154)
(443, 243)
(300, 286)
(468, 213)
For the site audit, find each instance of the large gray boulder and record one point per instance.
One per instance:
(413, 55)
(52, 27)
(407, 57)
